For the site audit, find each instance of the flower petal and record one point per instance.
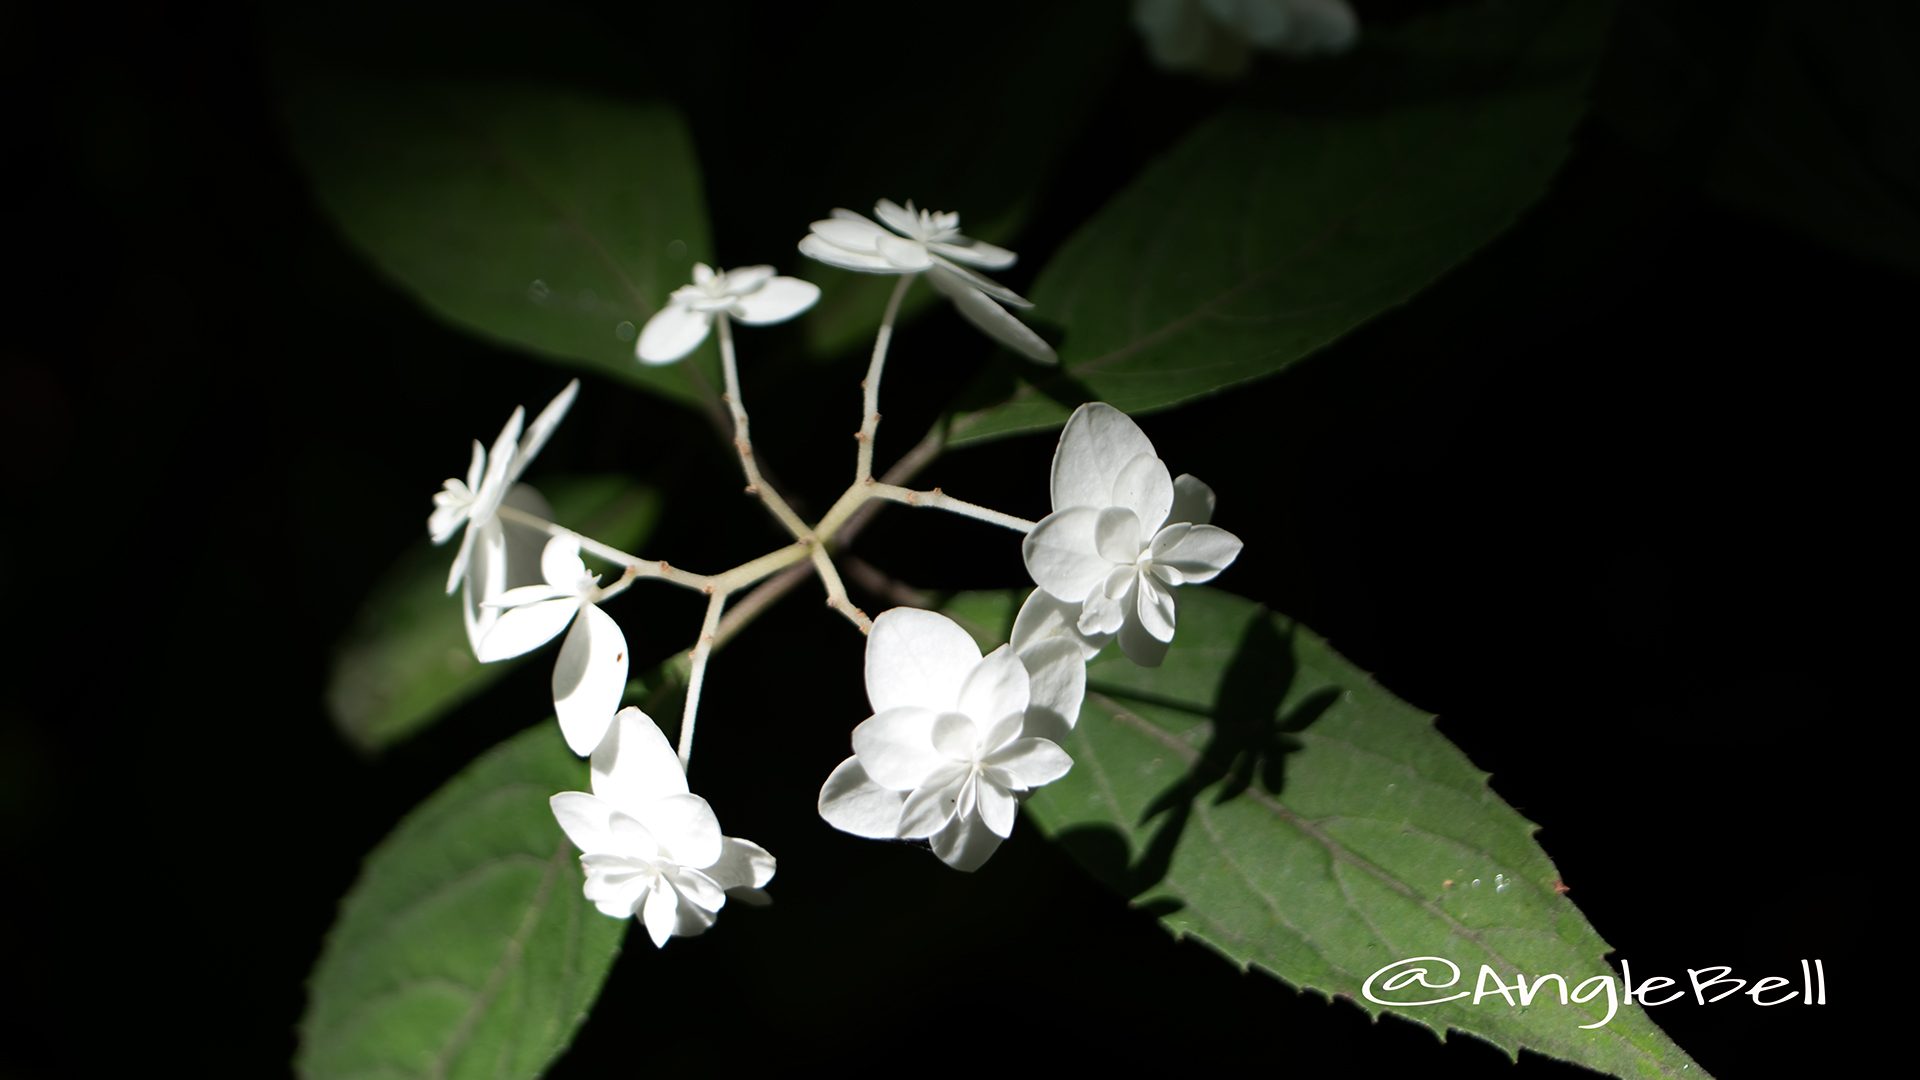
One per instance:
(976, 253)
(1098, 441)
(960, 277)
(956, 736)
(560, 563)
(851, 802)
(685, 828)
(742, 280)
(522, 629)
(743, 865)
(697, 890)
(1103, 614)
(635, 764)
(661, 914)
(1199, 553)
(542, 429)
(1192, 501)
(673, 332)
(850, 233)
(896, 217)
(1154, 604)
(1063, 556)
(777, 301)
(1145, 487)
(1141, 647)
(907, 256)
(996, 808)
(996, 688)
(584, 819)
(485, 579)
(992, 319)
(1044, 616)
(934, 803)
(1057, 678)
(1030, 762)
(896, 748)
(965, 844)
(833, 255)
(588, 678)
(917, 658)
(1116, 536)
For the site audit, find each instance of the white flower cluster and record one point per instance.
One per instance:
(956, 738)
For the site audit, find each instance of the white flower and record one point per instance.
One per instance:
(473, 503)
(1123, 533)
(924, 241)
(591, 673)
(954, 738)
(648, 845)
(1213, 37)
(750, 294)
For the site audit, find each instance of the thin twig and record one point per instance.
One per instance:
(757, 485)
(940, 500)
(870, 386)
(697, 676)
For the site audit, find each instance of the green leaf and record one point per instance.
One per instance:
(465, 949)
(1279, 226)
(406, 661)
(1261, 794)
(542, 218)
(1822, 140)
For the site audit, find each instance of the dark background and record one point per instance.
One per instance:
(1604, 499)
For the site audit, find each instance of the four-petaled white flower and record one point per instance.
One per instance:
(648, 845)
(1214, 37)
(924, 241)
(481, 563)
(591, 673)
(750, 294)
(954, 737)
(1123, 533)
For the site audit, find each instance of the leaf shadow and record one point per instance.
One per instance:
(1250, 741)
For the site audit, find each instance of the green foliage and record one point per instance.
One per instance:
(464, 950)
(407, 662)
(1265, 796)
(542, 218)
(1285, 222)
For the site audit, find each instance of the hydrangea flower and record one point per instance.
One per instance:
(1214, 37)
(481, 563)
(952, 743)
(648, 845)
(1123, 533)
(922, 241)
(750, 294)
(591, 673)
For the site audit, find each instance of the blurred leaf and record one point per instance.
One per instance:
(546, 219)
(406, 661)
(465, 949)
(1823, 141)
(1280, 225)
(1263, 795)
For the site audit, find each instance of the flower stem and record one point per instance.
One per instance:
(697, 676)
(870, 405)
(757, 484)
(837, 590)
(939, 500)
